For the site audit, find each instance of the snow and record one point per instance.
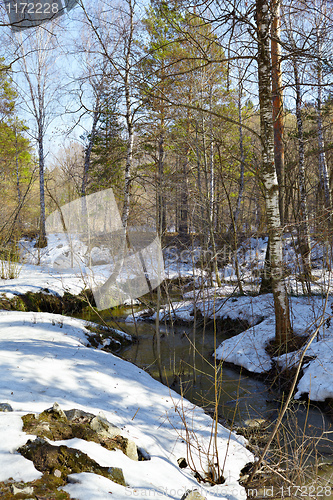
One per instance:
(44, 358)
(251, 309)
(39, 268)
(115, 276)
(11, 438)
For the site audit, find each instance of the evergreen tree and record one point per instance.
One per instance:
(15, 156)
(109, 149)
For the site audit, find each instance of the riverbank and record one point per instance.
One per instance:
(252, 349)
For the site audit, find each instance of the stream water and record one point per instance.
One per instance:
(189, 369)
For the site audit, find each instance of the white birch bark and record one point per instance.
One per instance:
(36, 70)
(281, 305)
(88, 150)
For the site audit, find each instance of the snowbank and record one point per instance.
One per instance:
(43, 359)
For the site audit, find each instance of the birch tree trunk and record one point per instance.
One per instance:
(242, 155)
(42, 241)
(129, 118)
(281, 304)
(18, 188)
(278, 104)
(37, 59)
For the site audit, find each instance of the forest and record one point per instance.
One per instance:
(203, 131)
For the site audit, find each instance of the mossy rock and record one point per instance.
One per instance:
(60, 461)
(45, 301)
(46, 426)
(45, 487)
(57, 425)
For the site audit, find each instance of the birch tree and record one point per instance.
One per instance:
(37, 60)
(281, 304)
(320, 34)
(278, 102)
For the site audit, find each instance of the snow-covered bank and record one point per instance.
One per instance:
(44, 358)
(248, 348)
(36, 278)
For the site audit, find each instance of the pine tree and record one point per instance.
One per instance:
(109, 147)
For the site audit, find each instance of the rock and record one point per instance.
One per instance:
(255, 422)
(16, 490)
(64, 460)
(182, 463)
(100, 256)
(57, 411)
(5, 407)
(131, 450)
(55, 424)
(57, 473)
(81, 416)
(103, 427)
(192, 495)
(120, 442)
(143, 454)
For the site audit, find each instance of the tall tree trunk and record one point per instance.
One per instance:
(278, 104)
(304, 234)
(323, 172)
(183, 222)
(278, 125)
(129, 119)
(128, 168)
(199, 182)
(242, 158)
(161, 214)
(42, 241)
(281, 304)
(18, 188)
(211, 165)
